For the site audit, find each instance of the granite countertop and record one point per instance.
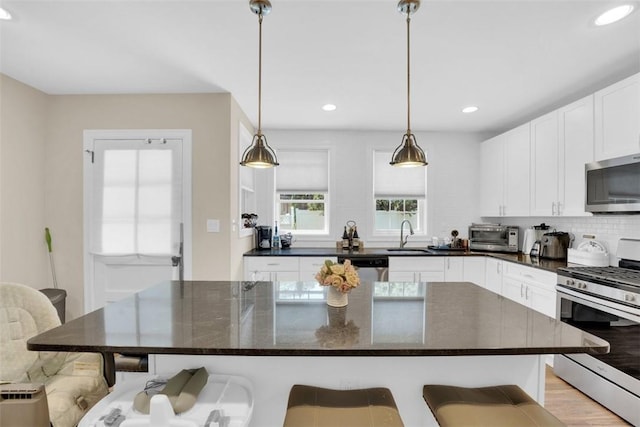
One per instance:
(293, 319)
(541, 263)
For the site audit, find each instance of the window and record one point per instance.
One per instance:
(302, 191)
(399, 194)
(137, 195)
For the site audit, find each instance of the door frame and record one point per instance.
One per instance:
(89, 136)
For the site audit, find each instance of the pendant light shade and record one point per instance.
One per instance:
(259, 154)
(408, 153)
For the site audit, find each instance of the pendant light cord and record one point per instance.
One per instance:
(408, 77)
(260, 75)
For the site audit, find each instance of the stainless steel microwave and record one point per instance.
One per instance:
(613, 186)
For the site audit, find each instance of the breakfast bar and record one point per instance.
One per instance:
(399, 335)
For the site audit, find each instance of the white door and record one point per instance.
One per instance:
(137, 211)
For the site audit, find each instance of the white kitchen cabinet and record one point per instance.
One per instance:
(617, 119)
(530, 286)
(504, 176)
(561, 144)
(454, 269)
(416, 269)
(474, 270)
(544, 165)
(271, 268)
(492, 176)
(575, 125)
(493, 275)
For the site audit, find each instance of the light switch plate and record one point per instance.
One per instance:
(213, 226)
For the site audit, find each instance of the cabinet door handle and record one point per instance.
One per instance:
(526, 293)
(559, 205)
(448, 263)
(553, 208)
(498, 269)
(521, 290)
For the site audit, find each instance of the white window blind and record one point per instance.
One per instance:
(390, 181)
(138, 198)
(302, 170)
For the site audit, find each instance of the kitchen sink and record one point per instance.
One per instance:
(426, 251)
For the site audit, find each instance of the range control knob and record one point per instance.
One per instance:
(571, 282)
(629, 298)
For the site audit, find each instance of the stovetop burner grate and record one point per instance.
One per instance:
(613, 274)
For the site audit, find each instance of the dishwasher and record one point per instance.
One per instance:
(373, 268)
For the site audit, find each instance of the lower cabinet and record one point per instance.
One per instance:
(271, 268)
(531, 287)
(416, 269)
(454, 269)
(493, 275)
(474, 270)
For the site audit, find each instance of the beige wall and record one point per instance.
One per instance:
(57, 134)
(23, 252)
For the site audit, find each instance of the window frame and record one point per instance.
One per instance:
(304, 232)
(419, 226)
(326, 230)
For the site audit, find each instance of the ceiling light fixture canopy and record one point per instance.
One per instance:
(408, 153)
(259, 154)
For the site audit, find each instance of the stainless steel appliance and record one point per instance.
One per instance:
(554, 245)
(493, 238)
(613, 186)
(263, 237)
(605, 301)
(374, 268)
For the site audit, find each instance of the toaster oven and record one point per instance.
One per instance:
(493, 238)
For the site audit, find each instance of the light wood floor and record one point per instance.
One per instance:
(574, 408)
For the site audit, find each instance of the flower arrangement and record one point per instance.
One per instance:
(343, 277)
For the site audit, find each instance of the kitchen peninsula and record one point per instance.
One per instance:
(399, 335)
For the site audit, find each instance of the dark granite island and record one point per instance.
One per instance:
(399, 335)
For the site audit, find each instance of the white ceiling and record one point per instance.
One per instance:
(514, 59)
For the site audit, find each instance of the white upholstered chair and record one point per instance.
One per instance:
(74, 382)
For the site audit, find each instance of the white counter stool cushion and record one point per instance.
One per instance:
(497, 406)
(320, 407)
(73, 381)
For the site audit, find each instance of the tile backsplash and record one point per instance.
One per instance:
(607, 229)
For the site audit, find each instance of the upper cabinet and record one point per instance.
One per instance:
(617, 119)
(575, 141)
(561, 144)
(504, 176)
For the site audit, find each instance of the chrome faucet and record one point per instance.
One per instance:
(403, 240)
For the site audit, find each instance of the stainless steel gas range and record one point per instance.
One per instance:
(605, 301)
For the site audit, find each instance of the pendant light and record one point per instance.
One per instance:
(408, 153)
(259, 154)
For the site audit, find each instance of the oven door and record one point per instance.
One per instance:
(612, 322)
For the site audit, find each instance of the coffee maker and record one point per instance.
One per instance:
(263, 237)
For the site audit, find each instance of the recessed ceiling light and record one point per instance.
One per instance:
(614, 15)
(470, 109)
(4, 15)
(329, 107)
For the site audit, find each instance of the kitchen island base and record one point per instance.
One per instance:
(273, 376)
